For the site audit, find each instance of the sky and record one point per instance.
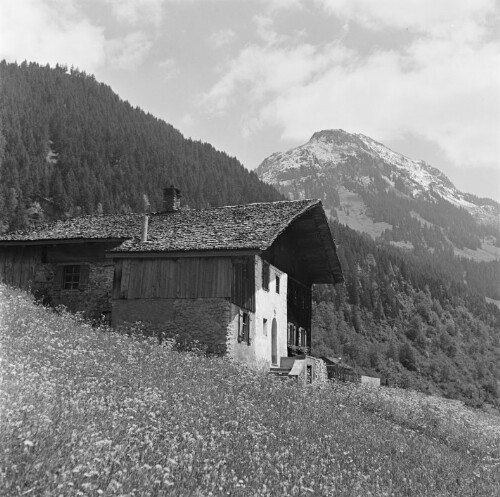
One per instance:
(253, 77)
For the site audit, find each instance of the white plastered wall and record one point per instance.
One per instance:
(270, 305)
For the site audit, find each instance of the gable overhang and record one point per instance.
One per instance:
(314, 245)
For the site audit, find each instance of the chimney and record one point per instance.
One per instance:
(144, 231)
(171, 199)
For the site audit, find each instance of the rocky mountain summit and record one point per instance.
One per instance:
(373, 189)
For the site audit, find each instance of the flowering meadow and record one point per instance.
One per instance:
(87, 411)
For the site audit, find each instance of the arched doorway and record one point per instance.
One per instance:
(274, 342)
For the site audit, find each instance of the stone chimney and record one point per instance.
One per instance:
(171, 199)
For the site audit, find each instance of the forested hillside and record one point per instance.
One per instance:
(70, 146)
(411, 319)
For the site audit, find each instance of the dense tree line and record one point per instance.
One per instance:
(70, 146)
(412, 320)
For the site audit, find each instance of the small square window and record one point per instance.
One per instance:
(71, 277)
(277, 284)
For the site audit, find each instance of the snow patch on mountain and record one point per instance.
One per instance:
(328, 149)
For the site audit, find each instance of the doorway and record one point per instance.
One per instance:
(274, 342)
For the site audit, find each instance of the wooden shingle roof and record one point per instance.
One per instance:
(237, 227)
(251, 227)
(114, 227)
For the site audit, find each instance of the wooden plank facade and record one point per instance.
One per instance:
(177, 278)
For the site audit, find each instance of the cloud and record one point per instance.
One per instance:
(441, 88)
(134, 12)
(453, 103)
(169, 68)
(128, 52)
(258, 73)
(222, 37)
(50, 32)
(424, 16)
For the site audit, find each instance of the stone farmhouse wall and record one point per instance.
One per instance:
(203, 320)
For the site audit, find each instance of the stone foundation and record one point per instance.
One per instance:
(191, 320)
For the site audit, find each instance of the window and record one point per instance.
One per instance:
(244, 327)
(265, 275)
(71, 277)
(264, 326)
(277, 284)
(302, 337)
(291, 334)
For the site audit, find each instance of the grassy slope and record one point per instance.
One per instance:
(88, 412)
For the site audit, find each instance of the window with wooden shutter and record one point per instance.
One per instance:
(84, 276)
(58, 278)
(244, 327)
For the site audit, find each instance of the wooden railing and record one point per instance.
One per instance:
(339, 373)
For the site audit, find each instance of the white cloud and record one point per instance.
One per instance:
(452, 103)
(427, 16)
(442, 85)
(222, 37)
(169, 68)
(258, 73)
(130, 51)
(135, 12)
(49, 32)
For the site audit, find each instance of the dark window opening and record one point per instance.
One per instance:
(291, 334)
(277, 284)
(265, 275)
(71, 277)
(244, 327)
(303, 337)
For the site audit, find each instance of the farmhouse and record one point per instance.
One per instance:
(237, 278)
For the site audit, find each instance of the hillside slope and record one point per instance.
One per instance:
(87, 411)
(70, 146)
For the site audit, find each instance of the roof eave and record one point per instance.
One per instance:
(59, 241)
(155, 254)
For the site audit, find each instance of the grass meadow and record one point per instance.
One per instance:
(86, 411)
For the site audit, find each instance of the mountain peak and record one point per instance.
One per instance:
(355, 163)
(336, 137)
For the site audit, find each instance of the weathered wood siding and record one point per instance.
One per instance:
(18, 265)
(243, 283)
(193, 277)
